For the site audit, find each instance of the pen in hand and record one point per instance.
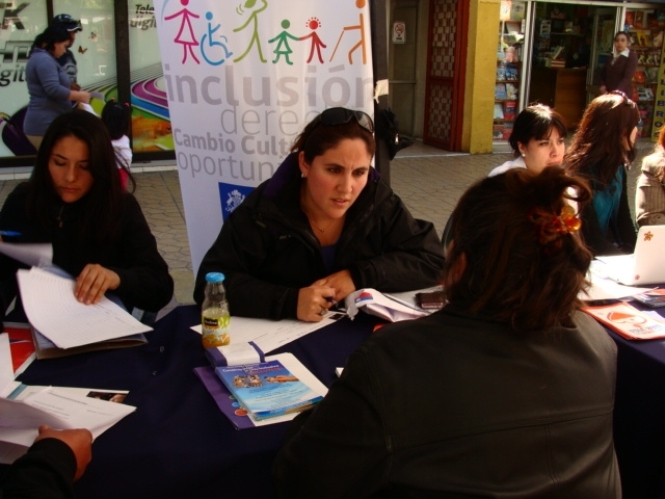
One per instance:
(9, 233)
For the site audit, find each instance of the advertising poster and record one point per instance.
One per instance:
(242, 79)
(16, 35)
(151, 126)
(93, 49)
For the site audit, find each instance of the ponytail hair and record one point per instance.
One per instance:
(525, 262)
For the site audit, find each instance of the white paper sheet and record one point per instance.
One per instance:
(60, 408)
(52, 309)
(604, 288)
(35, 255)
(270, 335)
(376, 303)
(6, 369)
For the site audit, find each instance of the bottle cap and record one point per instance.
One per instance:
(215, 277)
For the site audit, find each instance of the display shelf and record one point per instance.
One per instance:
(645, 29)
(508, 76)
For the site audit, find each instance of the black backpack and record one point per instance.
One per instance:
(387, 129)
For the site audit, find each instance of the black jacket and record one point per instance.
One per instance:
(268, 251)
(454, 406)
(46, 471)
(144, 275)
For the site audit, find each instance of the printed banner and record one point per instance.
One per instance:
(242, 79)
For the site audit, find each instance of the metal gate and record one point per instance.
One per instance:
(446, 65)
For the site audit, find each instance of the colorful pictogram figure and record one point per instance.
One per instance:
(252, 19)
(314, 24)
(283, 48)
(185, 36)
(362, 43)
(218, 58)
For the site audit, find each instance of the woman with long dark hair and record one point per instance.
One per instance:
(602, 149)
(74, 200)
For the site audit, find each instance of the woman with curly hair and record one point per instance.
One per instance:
(508, 391)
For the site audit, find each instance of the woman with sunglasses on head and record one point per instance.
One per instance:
(99, 235)
(508, 391)
(323, 226)
(602, 149)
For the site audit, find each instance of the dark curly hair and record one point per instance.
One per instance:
(511, 275)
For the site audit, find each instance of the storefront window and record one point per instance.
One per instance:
(645, 29)
(151, 128)
(16, 37)
(94, 47)
(566, 38)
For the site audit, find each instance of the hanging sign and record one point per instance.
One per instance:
(399, 32)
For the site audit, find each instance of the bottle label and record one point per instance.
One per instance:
(215, 331)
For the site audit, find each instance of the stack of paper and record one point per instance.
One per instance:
(52, 309)
(386, 307)
(604, 288)
(23, 409)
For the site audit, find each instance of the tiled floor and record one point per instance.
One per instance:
(428, 180)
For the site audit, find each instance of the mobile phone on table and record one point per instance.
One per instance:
(432, 300)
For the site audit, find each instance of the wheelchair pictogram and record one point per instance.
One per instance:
(214, 52)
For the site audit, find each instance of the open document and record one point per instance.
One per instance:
(391, 309)
(58, 408)
(23, 409)
(52, 309)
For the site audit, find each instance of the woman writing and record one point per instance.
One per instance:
(508, 391)
(323, 226)
(538, 140)
(650, 193)
(601, 150)
(48, 83)
(618, 72)
(99, 234)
